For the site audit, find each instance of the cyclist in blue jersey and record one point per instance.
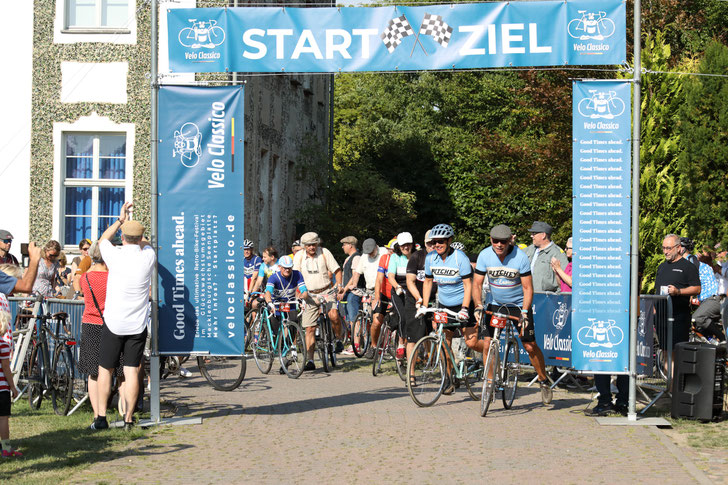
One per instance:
(282, 287)
(509, 276)
(450, 269)
(251, 265)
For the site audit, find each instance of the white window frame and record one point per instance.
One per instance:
(95, 125)
(63, 34)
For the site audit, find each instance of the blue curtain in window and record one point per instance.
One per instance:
(78, 214)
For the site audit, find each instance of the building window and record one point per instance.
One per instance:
(94, 183)
(97, 14)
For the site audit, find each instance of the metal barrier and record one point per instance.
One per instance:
(74, 310)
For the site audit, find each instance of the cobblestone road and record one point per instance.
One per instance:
(350, 427)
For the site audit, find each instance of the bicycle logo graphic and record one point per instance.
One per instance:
(601, 104)
(600, 333)
(560, 315)
(202, 34)
(187, 144)
(591, 25)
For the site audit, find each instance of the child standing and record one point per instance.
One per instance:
(7, 385)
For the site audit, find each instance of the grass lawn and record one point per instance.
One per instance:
(56, 447)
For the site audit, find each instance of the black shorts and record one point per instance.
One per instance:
(529, 333)
(381, 307)
(4, 403)
(88, 362)
(113, 345)
(415, 328)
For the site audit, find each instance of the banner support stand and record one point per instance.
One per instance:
(154, 360)
(634, 311)
(634, 287)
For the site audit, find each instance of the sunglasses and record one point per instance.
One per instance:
(439, 241)
(7, 241)
(52, 255)
(86, 248)
(500, 241)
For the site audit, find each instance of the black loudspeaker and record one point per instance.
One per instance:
(697, 384)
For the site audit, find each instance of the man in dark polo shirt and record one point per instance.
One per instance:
(678, 278)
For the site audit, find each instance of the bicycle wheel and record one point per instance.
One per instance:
(490, 377)
(292, 350)
(62, 380)
(363, 324)
(379, 350)
(321, 344)
(223, 373)
(511, 368)
(330, 344)
(472, 374)
(35, 379)
(427, 366)
(263, 347)
(250, 322)
(400, 364)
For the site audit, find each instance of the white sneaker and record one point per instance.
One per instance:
(547, 394)
(184, 372)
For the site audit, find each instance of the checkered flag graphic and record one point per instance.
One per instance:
(434, 26)
(396, 30)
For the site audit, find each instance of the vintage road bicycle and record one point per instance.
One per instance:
(501, 369)
(386, 347)
(428, 364)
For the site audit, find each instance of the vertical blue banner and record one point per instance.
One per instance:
(200, 217)
(601, 225)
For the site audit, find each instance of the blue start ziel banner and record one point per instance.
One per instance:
(601, 225)
(200, 219)
(456, 36)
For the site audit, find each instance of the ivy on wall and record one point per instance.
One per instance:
(48, 109)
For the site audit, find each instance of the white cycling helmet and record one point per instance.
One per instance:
(404, 238)
(248, 244)
(458, 245)
(443, 231)
(285, 262)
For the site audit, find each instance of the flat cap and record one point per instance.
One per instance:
(539, 226)
(132, 228)
(5, 234)
(368, 245)
(310, 238)
(349, 240)
(501, 231)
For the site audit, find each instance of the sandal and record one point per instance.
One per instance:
(413, 381)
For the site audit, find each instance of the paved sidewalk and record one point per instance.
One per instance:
(350, 427)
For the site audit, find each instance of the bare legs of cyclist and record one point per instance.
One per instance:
(377, 321)
(310, 342)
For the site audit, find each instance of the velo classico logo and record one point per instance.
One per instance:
(187, 144)
(601, 105)
(600, 333)
(559, 317)
(202, 34)
(591, 26)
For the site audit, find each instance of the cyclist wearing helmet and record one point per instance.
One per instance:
(382, 295)
(416, 328)
(251, 265)
(282, 286)
(397, 276)
(509, 276)
(450, 269)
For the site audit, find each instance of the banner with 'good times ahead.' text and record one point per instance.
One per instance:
(200, 219)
